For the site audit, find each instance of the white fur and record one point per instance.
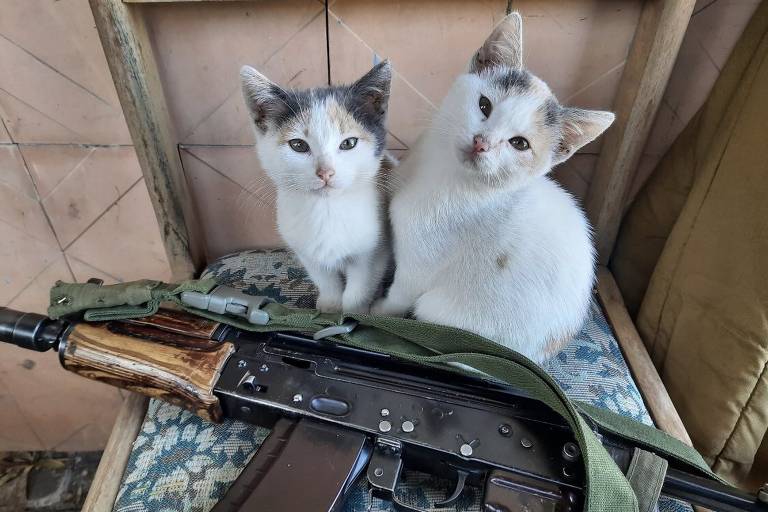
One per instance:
(496, 248)
(337, 232)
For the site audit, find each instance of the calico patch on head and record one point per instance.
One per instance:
(507, 124)
(321, 139)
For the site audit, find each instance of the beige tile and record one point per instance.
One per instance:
(35, 297)
(40, 87)
(25, 214)
(234, 219)
(56, 403)
(691, 80)
(199, 62)
(83, 271)
(292, 67)
(125, 242)
(49, 164)
(718, 26)
(13, 172)
(92, 187)
(567, 43)
(16, 433)
(64, 36)
(5, 137)
(32, 126)
(23, 257)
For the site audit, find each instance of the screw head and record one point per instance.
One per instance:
(378, 471)
(385, 426)
(245, 409)
(407, 426)
(466, 450)
(384, 413)
(527, 443)
(505, 430)
(264, 368)
(570, 451)
(241, 364)
(297, 398)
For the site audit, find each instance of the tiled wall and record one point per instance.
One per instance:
(73, 204)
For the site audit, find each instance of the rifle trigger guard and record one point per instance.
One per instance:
(384, 473)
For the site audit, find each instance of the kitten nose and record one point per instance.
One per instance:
(325, 173)
(479, 144)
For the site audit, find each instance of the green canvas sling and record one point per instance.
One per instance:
(607, 489)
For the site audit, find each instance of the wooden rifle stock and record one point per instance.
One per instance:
(169, 356)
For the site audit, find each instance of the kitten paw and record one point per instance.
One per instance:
(326, 304)
(383, 307)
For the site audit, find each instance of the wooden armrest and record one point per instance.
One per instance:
(106, 481)
(649, 382)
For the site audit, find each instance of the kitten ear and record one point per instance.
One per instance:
(263, 97)
(579, 128)
(371, 92)
(503, 47)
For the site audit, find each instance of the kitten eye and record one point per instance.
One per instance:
(348, 143)
(298, 145)
(485, 106)
(519, 143)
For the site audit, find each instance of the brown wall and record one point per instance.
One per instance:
(73, 204)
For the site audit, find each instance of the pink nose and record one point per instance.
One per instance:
(479, 144)
(325, 174)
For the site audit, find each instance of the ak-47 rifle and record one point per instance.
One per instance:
(339, 413)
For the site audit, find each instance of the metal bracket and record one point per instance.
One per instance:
(226, 300)
(345, 328)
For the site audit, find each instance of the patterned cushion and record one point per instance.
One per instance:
(181, 463)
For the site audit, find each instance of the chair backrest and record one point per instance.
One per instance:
(181, 98)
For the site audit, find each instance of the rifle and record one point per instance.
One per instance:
(339, 414)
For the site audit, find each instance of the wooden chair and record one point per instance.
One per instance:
(134, 70)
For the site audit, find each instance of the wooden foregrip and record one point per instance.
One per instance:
(184, 376)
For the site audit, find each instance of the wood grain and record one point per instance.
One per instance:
(179, 322)
(177, 375)
(649, 382)
(128, 50)
(106, 481)
(652, 55)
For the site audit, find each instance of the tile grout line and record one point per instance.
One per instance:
(40, 203)
(211, 167)
(99, 217)
(67, 256)
(394, 71)
(595, 81)
(31, 281)
(69, 173)
(41, 61)
(43, 114)
(235, 89)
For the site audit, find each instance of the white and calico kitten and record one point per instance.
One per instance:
(484, 240)
(324, 150)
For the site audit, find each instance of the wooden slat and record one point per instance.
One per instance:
(129, 54)
(178, 1)
(651, 58)
(649, 382)
(106, 481)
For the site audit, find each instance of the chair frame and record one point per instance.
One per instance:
(128, 49)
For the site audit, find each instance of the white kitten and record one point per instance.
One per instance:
(324, 150)
(484, 240)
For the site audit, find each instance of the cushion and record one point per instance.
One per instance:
(181, 463)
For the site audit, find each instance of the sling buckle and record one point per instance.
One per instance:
(344, 328)
(226, 300)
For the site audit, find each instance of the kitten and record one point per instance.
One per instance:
(324, 150)
(484, 240)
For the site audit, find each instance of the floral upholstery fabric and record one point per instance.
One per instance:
(182, 463)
